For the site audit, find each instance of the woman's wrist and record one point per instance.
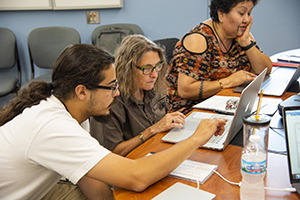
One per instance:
(225, 83)
(221, 84)
(249, 46)
(141, 136)
(152, 130)
(244, 43)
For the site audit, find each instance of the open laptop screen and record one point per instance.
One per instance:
(292, 130)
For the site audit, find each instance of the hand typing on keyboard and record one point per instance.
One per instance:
(209, 127)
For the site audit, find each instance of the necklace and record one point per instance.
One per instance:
(219, 37)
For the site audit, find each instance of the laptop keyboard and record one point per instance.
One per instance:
(216, 139)
(272, 86)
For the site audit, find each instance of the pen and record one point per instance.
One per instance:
(259, 103)
(258, 108)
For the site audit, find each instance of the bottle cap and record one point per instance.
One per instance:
(254, 138)
(261, 120)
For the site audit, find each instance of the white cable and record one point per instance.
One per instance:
(267, 188)
(240, 183)
(284, 189)
(233, 183)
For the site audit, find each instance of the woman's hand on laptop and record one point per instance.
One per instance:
(209, 127)
(237, 79)
(169, 121)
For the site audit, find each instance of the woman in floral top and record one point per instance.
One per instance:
(216, 54)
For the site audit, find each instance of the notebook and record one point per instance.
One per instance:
(180, 191)
(291, 123)
(218, 104)
(277, 82)
(233, 125)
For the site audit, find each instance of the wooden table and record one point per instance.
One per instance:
(228, 161)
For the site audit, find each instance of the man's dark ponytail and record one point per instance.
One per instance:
(27, 97)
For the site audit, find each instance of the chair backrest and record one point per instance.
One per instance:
(169, 44)
(45, 45)
(8, 52)
(7, 48)
(110, 36)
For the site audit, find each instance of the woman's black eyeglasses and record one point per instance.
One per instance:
(149, 68)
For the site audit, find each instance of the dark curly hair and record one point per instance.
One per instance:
(224, 6)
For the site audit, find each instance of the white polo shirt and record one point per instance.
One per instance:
(39, 146)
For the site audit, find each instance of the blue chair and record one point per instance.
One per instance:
(45, 45)
(9, 58)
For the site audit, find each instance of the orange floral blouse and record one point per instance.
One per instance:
(210, 65)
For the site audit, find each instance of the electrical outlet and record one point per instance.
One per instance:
(92, 17)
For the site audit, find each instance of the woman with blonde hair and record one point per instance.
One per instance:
(140, 110)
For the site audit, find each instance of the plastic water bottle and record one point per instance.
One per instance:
(253, 169)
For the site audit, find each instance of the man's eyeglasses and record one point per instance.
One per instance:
(114, 88)
(149, 68)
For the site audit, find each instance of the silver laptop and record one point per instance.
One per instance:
(233, 125)
(277, 82)
(291, 123)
